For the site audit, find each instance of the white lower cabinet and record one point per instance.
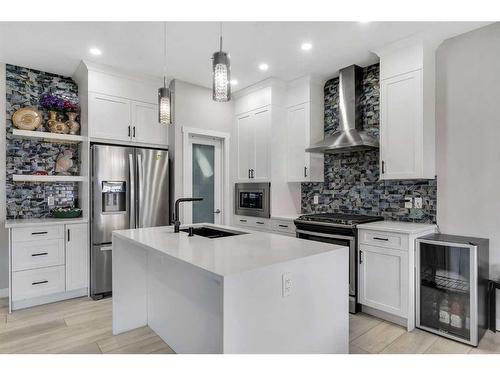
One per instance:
(77, 257)
(278, 226)
(383, 279)
(48, 264)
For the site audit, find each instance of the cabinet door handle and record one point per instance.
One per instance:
(39, 282)
(133, 134)
(259, 222)
(380, 239)
(383, 167)
(253, 173)
(38, 233)
(282, 226)
(243, 221)
(265, 110)
(39, 254)
(129, 130)
(69, 237)
(249, 174)
(360, 256)
(305, 171)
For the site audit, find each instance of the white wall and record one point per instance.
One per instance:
(468, 137)
(195, 108)
(4, 243)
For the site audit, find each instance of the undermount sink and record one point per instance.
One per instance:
(210, 232)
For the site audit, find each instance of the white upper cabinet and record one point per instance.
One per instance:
(253, 141)
(109, 117)
(145, 125)
(304, 126)
(407, 108)
(119, 107)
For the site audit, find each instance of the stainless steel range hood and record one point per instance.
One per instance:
(350, 136)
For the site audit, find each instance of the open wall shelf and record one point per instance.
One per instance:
(44, 178)
(48, 137)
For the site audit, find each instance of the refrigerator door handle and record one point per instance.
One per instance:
(139, 189)
(132, 213)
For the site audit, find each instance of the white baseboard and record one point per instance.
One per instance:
(4, 292)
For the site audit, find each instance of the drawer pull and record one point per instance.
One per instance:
(380, 239)
(243, 221)
(282, 226)
(38, 233)
(39, 254)
(259, 222)
(39, 282)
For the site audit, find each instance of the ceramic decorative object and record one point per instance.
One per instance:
(64, 162)
(27, 119)
(66, 212)
(55, 125)
(73, 126)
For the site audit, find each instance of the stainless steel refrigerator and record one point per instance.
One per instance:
(130, 189)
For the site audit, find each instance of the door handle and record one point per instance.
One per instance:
(360, 256)
(139, 189)
(69, 237)
(383, 167)
(217, 211)
(39, 282)
(305, 171)
(131, 177)
(252, 173)
(38, 233)
(133, 134)
(39, 254)
(249, 175)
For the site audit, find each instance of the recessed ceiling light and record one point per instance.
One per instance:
(234, 82)
(306, 46)
(263, 66)
(95, 51)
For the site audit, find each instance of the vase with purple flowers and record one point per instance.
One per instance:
(72, 110)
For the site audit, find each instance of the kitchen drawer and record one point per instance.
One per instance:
(37, 283)
(46, 232)
(36, 254)
(253, 222)
(283, 226)
(390, 240)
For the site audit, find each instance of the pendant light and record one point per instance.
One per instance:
(164, 93)
(221, 66)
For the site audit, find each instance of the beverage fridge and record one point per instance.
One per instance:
(452, 282)
(130, 189)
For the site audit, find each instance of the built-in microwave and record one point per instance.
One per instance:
(253, 199)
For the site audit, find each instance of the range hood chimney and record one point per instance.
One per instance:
(350, 136)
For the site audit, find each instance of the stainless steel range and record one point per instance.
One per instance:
(339, 229)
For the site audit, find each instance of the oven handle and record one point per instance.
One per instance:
(319, 234)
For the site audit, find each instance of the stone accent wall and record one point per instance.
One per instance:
(29, 200)
(352, 179)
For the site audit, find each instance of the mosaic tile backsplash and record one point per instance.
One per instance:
(29, 200)
(352, 179)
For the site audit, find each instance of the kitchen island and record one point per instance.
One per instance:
(251, 292)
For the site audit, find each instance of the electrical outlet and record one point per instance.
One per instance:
(408, 202)
(50, 200)
(316, 199)
(418, 202)
(286, 284)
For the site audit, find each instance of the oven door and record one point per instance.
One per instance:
(252, 199)
(343, 240)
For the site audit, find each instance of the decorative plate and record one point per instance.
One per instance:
(27, 119)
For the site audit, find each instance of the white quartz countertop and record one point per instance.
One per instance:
(19, 223)
(227, 255)
(398, 226)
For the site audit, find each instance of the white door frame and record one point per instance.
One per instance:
(224, 138)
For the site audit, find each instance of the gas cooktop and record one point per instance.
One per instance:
(338, 219)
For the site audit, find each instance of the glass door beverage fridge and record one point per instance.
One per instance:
(452, 281)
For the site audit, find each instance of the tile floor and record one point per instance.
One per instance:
(84, 326)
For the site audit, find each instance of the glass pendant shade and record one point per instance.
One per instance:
(221, 77)
(164, 106)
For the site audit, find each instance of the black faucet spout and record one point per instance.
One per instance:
(177, 222)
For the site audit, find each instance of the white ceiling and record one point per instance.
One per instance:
(138, 46)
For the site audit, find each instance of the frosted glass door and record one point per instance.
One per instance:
(203, 183)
